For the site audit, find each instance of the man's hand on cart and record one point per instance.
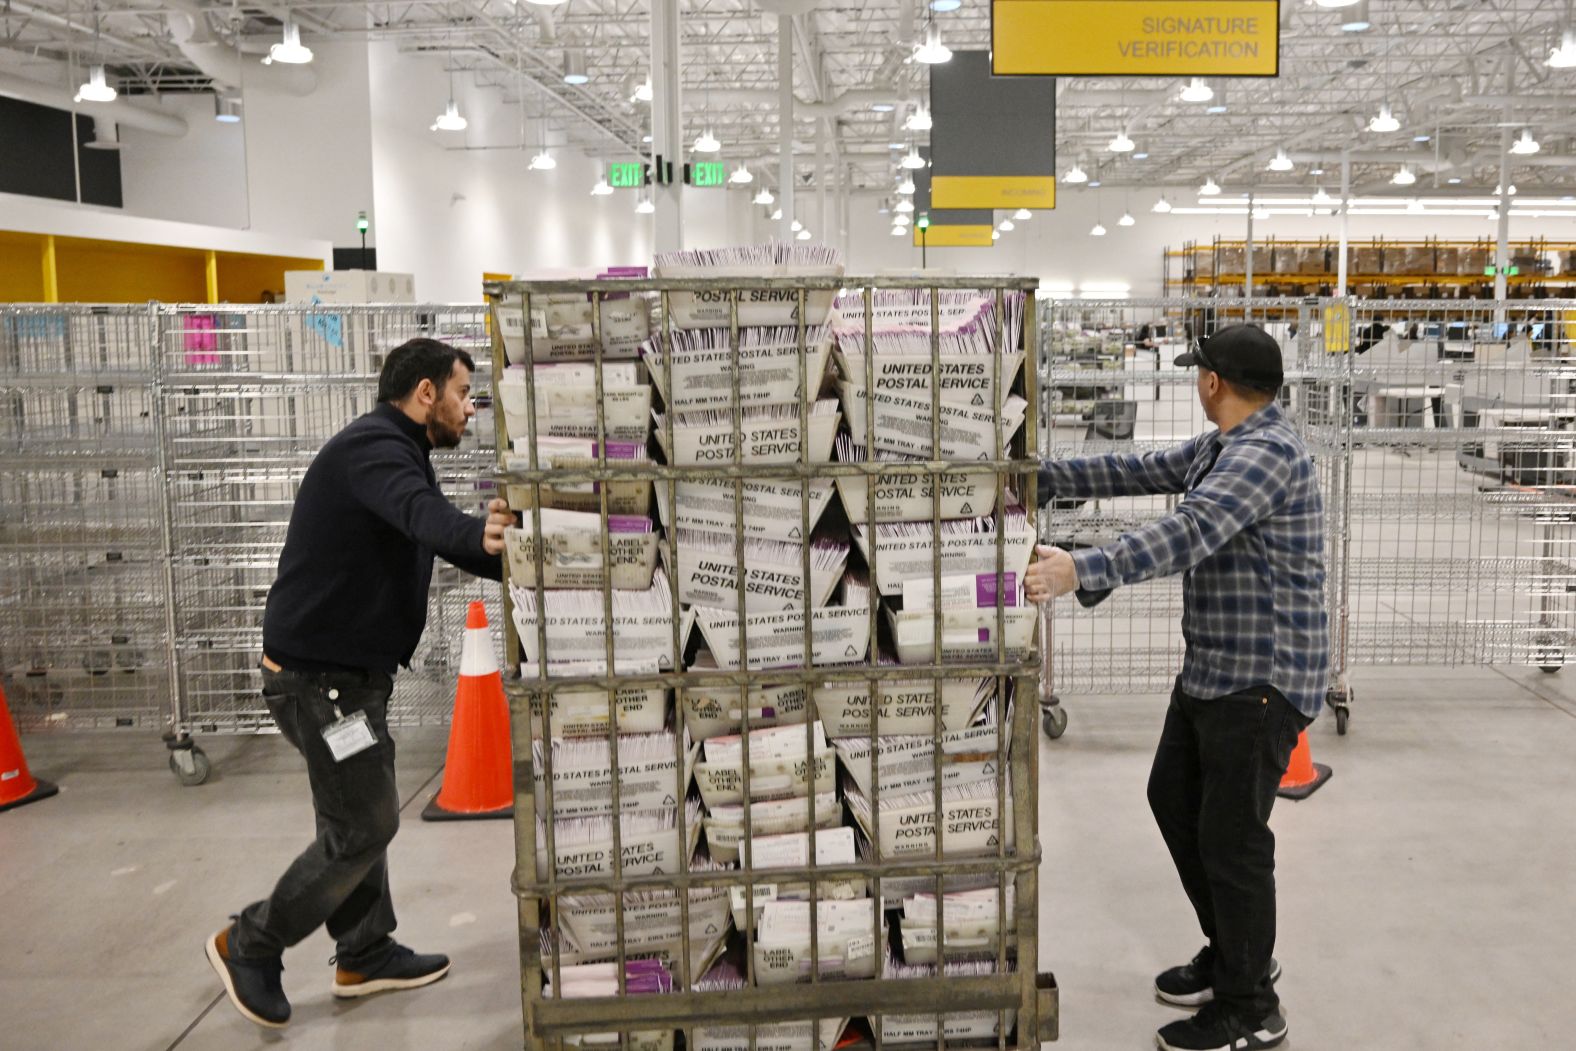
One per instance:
(499, 517)
(1052, 574)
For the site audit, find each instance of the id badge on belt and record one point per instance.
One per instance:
(347, 735)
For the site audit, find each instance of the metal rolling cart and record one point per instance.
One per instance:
(83, 643)
(667, 913)
(248, 396)
(1133, 643)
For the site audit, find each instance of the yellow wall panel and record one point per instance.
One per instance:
(244, 278)
(118, 272)
(21, 268)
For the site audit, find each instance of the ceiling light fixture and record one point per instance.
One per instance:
(1075, 174)
(575, 68)
(1022, 215)
(1218, 104)
(1209, 189)
(1454, 180)
(1162, 206)
(1357, 19)
(601, 189)
(903, 205)
(1197, 90)
(777, 215)
(901, 220)
(1564, 56)
(1385, 122)
(932, 51)
(796, 226)
(912, 161)
(741, 176)
(765, 197)
(289, 50)
(645, 207)
(995, 235)
(882, 107)
(919, 120)
(450, 119)
(1417, 206)
(1321, 198)
(804, 235)
(1006, 227)
(645, 92)
(1404, 176)
(897, 231)
(1094, 184)
(906, 187)
(1120, 144)
(1281, 162)
(226, 111)
(706, 142)
(1098, 231)
(1525, 146)
(96, 88)
(1140, 156)
(943, 6)
(1126, 220)
(1335, 3)
(543, 162)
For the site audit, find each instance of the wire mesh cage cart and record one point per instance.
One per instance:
(1108, 385)
(770, 675)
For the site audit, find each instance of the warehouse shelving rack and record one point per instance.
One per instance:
(553, 1023)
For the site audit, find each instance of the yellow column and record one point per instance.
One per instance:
(212, 269)
(51, 278)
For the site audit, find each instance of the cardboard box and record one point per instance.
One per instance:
(768, 369)
(725, 824)
(561, 328)
(583, 781)
(572, 552)
(903, 425)
(774, 577)
(900, 558)
(969, 822)
(756, 308)
(1233, 259)
(566, 403)
(776, 640)
(649, 843)
(847, 936)
(967, 635)
(771, 508)
(1447, 259)
(348, 287)
(1475, 260)
(770, 435)
(966, 378)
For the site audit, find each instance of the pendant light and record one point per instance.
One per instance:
(1210, 188)
(96, 88)
(1162, 206)
(450, 119)
(1385, 122)
(1121, 143)
(1525, 146)
(1075, 174)
(1197, 90)
(919, 120)
(932, 51)
(1022, 215)
(906, 187)
(764, 197)
(1281, 163)
(289, 50)
(742, 176)
(912, 160)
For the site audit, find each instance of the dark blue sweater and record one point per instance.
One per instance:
(357, 561)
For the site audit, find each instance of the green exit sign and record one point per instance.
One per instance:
(708, 173)
(626, 175)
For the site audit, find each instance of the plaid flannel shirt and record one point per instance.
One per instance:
(1248, 537)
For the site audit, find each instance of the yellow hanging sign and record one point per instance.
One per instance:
(1173, 38)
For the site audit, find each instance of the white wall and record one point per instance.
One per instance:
(197, 178)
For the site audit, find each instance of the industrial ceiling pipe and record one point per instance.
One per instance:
(120, 111)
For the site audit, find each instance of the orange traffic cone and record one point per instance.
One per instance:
(1303, 776)
(17, 786)
(478, 775)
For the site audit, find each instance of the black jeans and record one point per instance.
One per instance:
(1211, 788)
(341, 879)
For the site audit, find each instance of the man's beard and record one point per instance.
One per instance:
(445, 437)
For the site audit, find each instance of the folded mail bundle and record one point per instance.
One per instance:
(769, 366)
(908, 764)
(970, 919)
(768, 434)
(716, 711)
(784, 761)
(572, 551)
(645, 977)
(582, 711)
(577, 628)
(967, 635)
(838, 635)
(725, 977)
(648, 774)
(910, 309)
(833, 847)
(774, 571)
(910, 496)
(966, 547)
(649, 842)
(722, 308)
(569, 454)
(772, 509)
(970, 823)
(562, 327)
(903, 423)
(566, 402)
(960, 1026)
(653, 924)
(903, 706)
(725, 825)
(850, 937)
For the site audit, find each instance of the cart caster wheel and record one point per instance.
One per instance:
(1551, 669)
(1055, 721)
(190, 765)
(1341, 716)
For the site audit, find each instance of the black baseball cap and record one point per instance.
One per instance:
(1244, 354)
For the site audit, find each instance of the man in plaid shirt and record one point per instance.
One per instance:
(1248, 538)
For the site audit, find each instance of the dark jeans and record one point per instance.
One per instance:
(342, 879)
(1211, 788)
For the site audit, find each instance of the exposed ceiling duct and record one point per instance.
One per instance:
(222, 62)
(120, 111)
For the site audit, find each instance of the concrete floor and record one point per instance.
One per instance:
(1426, 891)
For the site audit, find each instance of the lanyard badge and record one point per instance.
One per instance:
(347, 735)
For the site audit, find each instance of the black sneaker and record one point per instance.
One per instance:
(253, 985)
(1216, 1029)
(1192, 984)
(403, 969)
